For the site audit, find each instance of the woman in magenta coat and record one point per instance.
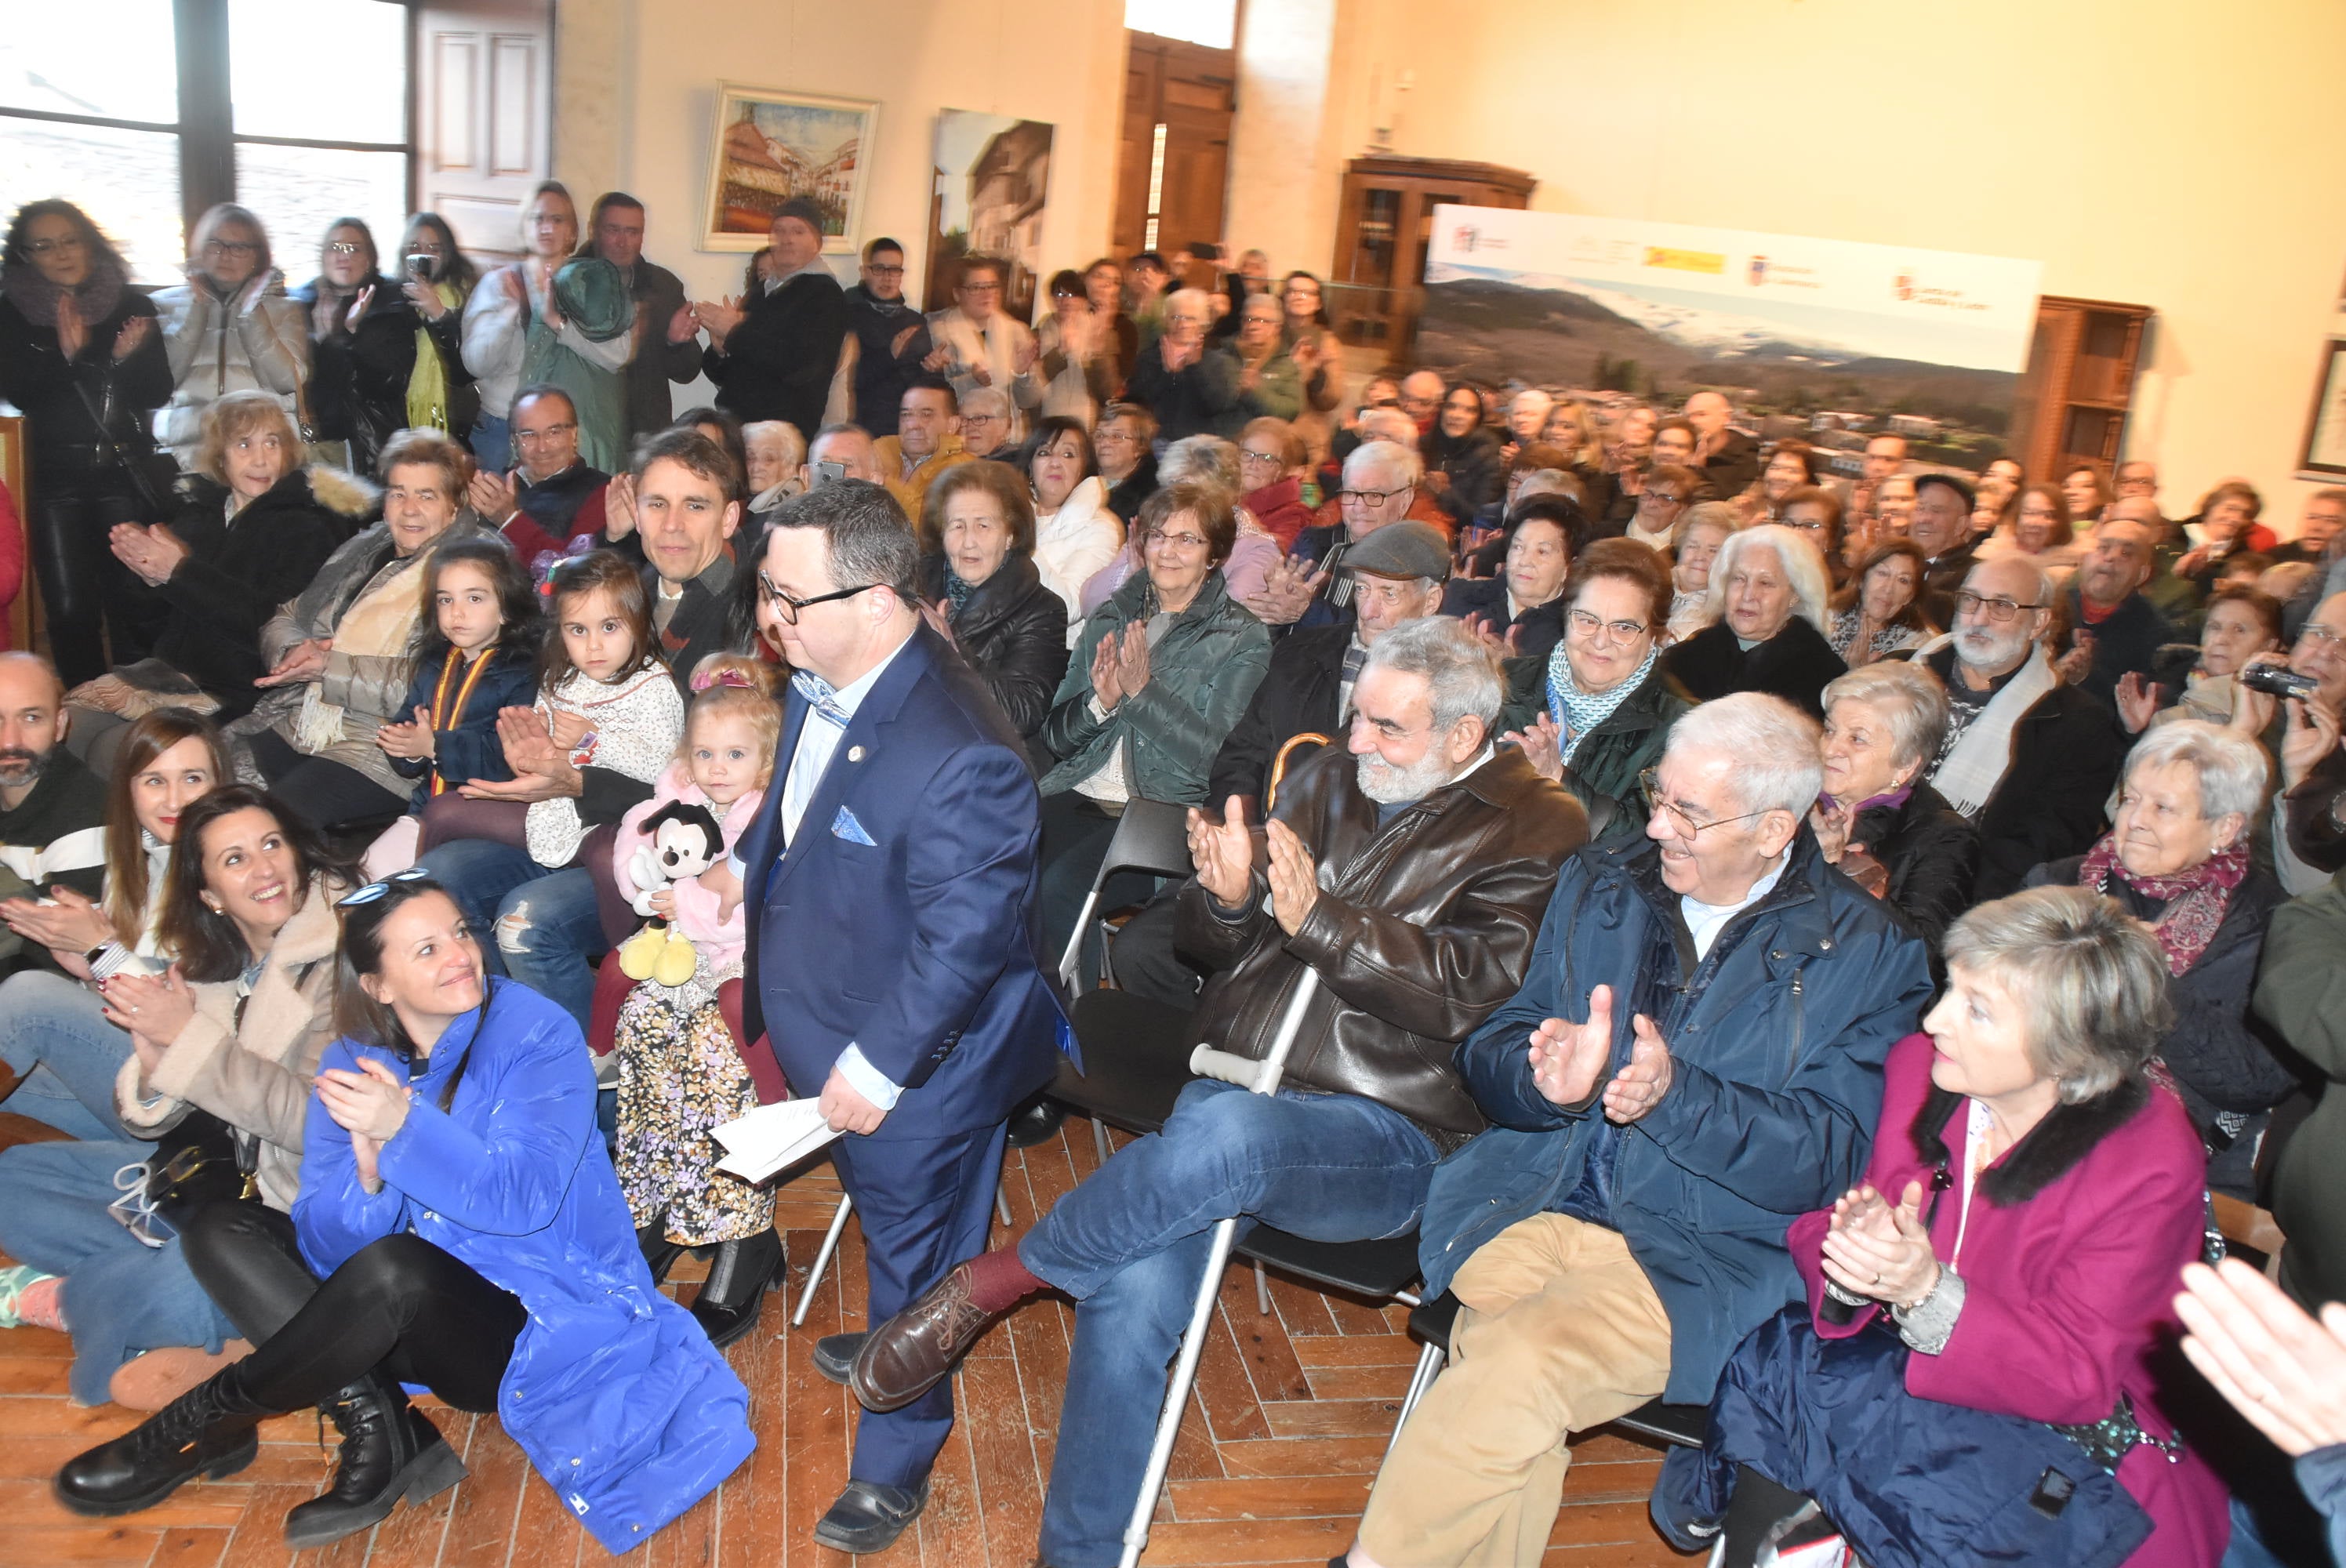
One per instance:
(2032, 1199)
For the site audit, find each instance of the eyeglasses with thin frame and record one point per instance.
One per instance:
(789, 607)
(233, 247)
(1586, 625)
(1661, 498)
(1272, 458)
(875, 268)
(69, 242)
(2002, 612)
(342, 246)
(1650, 781)
(2314, 632)
(1184, 542)
(551, 432)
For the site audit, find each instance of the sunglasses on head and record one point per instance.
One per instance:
(373, 891)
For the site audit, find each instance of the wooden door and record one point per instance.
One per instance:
(1174, 172)
(484, 114)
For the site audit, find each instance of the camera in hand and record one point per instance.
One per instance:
(424, 265)
(2278, 680)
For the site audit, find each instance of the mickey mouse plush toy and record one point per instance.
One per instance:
(684, 841)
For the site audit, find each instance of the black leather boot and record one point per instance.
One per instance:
(389, 1452)
(738, 1276)
(659, 1253)
(207, 1432)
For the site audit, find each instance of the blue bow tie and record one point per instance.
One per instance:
(820, 695)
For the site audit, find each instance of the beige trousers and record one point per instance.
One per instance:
(1561, 1332)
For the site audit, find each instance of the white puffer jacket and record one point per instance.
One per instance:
(256, 340)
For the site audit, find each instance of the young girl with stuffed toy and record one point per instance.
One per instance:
(680, 1068)
(475, 652)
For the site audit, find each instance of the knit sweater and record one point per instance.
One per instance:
(636, 723)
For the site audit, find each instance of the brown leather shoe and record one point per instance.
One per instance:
(907, 1357)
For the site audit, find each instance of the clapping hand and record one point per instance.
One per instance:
(1638, 1087)
(153, 553)
(1542, 745)
(2137, 702)
(1566, 1059)
(541, 771)
(135, 331)
(73, 333)
(157, 1006)
(2280, 1368)
(492, 495)
(369, 1102)
(1107, 663)
(2074, 664)
(1507, 646)
(619, 506)
(1223, 853)
(718, 318)
(409, 741)
(72, 924)
(1288, 589)
(683, 326)
(1879, 1252)
(1023, 357)
(1132, 661)
(1294, 879)
(357, 312)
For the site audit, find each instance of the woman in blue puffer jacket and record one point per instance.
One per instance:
(459, 1206)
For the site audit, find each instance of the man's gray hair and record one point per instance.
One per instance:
(1397, 461)
(1802, 566)
(2090, 979)
(1912, 703)
(2232, 767)
(1461, 673)
(1535, 397)
(865, 538)
(1201, 460)
(2041, 591)
(1387, 424)
(983, 400)
(1777, 749)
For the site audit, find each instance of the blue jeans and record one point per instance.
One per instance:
(491, 442)
(1130, 1245)
(538, 926)
(55, 1036)
(122, 1297)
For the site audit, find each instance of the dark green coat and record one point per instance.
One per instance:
(2302, 992)
(1628, 742)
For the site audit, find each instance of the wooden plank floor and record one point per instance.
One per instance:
(1290, 1416)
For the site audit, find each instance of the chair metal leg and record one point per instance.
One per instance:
(822, 1259)
(1430, 1362)
(1001, 1207)
(1099, 1139)
(1261, 1290)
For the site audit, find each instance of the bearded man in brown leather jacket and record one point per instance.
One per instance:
(1412, 876)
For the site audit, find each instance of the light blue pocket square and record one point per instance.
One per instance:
(845, 826)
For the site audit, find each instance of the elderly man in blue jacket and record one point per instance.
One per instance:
(1695, 1058)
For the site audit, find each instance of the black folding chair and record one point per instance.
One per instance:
(1136, 1059)
(1151, 838)
(1681, 1426)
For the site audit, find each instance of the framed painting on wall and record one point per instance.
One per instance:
(992, 183)
(2324, 455)
(772, 145)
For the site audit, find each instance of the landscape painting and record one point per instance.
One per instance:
(773, 146)
(1832, 340)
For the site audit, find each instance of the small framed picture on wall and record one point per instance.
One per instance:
(772, 145)
(2324, 456)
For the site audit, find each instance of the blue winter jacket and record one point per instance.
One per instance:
(1777, 1041)
(614, 1391)
(468, 748)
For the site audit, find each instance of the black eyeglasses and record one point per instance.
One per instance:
(2001, 611)
(1368, 497)
(789, 607)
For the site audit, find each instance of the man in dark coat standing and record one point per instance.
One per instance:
(891, 338)
(667, 335)
(893, 958)
(2115, 629)
(772, 353)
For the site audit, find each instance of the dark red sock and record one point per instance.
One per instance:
(999, 1280)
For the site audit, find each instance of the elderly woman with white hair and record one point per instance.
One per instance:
(2179, 859)
(1878, 819)
(1767, 622)
(1190, 389)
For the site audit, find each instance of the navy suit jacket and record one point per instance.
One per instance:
(924, 947)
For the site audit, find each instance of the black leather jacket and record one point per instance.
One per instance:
(1013, 631)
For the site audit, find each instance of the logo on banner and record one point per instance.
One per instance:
(1759, 273)
(1710, 261)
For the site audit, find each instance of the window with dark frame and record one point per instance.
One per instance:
(299, 110)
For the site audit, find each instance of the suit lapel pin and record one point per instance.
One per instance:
(855, 754)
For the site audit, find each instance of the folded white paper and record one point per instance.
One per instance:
(771, 1137)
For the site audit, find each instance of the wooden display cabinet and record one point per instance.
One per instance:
(1385, 224)
(2072, 406)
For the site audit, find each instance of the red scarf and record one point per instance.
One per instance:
(2195, 900)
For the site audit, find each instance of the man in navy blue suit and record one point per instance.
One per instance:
(894, 957)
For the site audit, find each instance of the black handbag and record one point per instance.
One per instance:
(200, 1160)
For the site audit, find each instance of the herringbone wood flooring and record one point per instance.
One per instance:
(1290, 1416)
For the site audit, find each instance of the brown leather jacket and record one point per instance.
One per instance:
(1421, 929)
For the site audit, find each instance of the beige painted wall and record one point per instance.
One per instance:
(636, 98)
(2156, 151)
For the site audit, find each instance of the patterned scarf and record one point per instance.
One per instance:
(957, 592)
(2196, 899)
(1578, 711)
